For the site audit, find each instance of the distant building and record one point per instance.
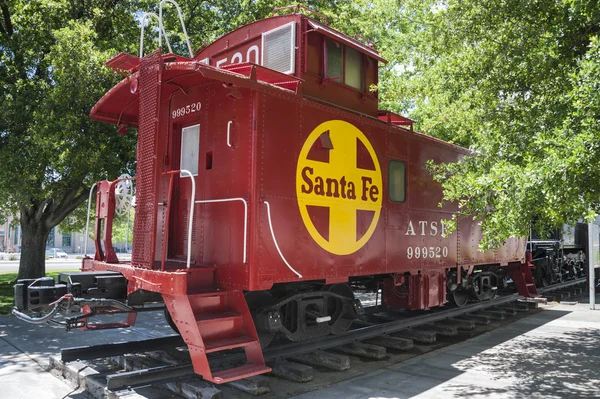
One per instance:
(11, 238)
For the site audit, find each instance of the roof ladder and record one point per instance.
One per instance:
(161, 28)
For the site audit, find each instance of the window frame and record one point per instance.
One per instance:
(183, 128)
(388, 181)
(342, 78)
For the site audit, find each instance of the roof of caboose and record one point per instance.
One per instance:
(120, 105)
(255, 29)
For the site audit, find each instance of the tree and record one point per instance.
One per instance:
(517, 82)
(51, 74)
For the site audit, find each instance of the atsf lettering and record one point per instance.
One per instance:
(425, 228)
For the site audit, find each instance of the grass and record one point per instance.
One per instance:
(7, 290)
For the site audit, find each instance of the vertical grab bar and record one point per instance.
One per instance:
(167, 214)
(191, 215)
(187, 39)
(229, 134)
(87, 223)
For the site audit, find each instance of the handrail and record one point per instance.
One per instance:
(161, 30)
(298, 7)
(87, 223)
(229, 133)
(245, 216)
(187, 39)
(163, 257)
(191, 213)
(275, 241)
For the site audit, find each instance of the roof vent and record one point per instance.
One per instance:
(279, 47)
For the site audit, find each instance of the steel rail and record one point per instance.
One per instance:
(120, 348)
(166, 373)
(145, 377)
(562, 285)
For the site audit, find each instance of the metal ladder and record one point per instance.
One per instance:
(161, 28)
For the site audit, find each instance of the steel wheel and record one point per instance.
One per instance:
(342, 324)
(459, 297)
(257, 300)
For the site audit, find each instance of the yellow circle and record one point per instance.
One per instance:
(338, 185)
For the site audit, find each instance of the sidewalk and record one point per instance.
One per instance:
(25, 350)
(552, 354)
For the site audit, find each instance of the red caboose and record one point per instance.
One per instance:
(270, 185)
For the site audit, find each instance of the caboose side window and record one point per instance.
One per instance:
(397, 181)
(353, 75)
(344, 64)
(335, 63)
(190, 148)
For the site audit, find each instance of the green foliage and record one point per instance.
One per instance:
(121, 229)
(517, 82)
(52, 72)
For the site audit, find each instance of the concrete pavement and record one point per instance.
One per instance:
(552, 354)
(25, 351)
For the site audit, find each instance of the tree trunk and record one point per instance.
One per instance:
(33, 249)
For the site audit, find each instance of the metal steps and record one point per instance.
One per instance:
(247, 370)
(228, 343)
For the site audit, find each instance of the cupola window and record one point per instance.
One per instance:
(344, 65)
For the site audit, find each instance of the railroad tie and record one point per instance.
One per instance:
(423, 337)
(321, 358)
(441, 329)
(494, 314)
(256, 385)
(291, 371)
(507, 309)
(477, 319)
(360, 349)
(194, 389)
(462, 325)
(387, 341)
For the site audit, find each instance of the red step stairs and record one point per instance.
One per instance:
(212, 320)
(523, 279)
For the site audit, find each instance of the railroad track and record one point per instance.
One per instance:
(368, 339)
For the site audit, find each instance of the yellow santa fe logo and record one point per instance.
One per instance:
(338, 176)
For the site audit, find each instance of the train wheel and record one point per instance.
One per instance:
(545, 280)
(170, 321)
(459, 297)
(257, 300)
(336, 309)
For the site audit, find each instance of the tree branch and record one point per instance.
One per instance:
(192, 12)
(41, 208)
(66, 208)
(8, 29)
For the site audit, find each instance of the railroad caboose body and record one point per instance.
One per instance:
(270, 185)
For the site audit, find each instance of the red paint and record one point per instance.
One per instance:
(253, 125)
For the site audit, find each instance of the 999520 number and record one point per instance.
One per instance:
(186, 110)
(426, 252)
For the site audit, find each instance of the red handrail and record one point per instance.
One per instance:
(298, 7)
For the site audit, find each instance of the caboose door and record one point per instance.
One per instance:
(186, 150)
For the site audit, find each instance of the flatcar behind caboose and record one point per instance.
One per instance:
(270, 187)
